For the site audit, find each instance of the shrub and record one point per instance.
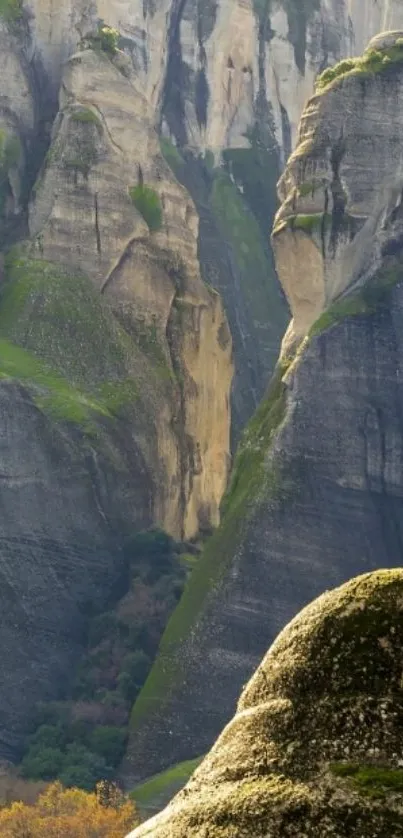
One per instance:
(42, 763)
(86, 116)
(109, 743)
(48, 736)
(71, 814)
(373, 61)
(133, 674)
(103, 626)
(108, 38)
(148, 204)
(11, 10)
(82, 768)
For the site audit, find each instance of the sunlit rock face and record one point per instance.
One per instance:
(316, 490)
(116, 358)
(340, 186)
(127, 348)
(226, 83)
(315, 745)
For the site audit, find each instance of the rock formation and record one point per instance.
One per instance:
(316, 489)
(115, 356)
(315, 745)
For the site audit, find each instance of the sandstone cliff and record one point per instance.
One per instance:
(315, 745)
(115, 356)
(316, 488)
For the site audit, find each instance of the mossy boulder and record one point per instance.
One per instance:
(315, 747)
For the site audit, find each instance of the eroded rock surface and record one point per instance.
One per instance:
(316, 490)
(315, 745)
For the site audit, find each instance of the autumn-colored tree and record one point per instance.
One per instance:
(71, 813)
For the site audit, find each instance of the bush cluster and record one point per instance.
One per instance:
(148, 203)
(78, 756)
(71, 813)
(121, 645)
(373, 61)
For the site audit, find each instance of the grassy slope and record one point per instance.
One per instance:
(257, 276)
(56, 334)
(153, 795)
(251, 477)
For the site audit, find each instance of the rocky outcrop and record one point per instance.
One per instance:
(118, 350)
(106, 203)
(316, 490)
(315, 745)
(115, 357)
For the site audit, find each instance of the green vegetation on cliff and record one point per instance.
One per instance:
(148, 203)
(82, 739)
(155, 793)
(371, 62)
(371, 780)
(365, 301)
(57, 334)
(253, 479)
(241, 229)
(11, 10)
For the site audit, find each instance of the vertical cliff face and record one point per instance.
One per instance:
(225, 83)
(316, 489)
(115, 356)
(127, 158)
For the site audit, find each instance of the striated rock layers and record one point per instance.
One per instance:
(315, 745)
(115, 357)
(316, 490)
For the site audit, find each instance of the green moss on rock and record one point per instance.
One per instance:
(240, 228)
(372, 62)
(60, 321)
(148, 203)
(11, 10)
(252, 479)
(86, 116)
(155, 793)
(372, 780)
(330, 686)
(365, 301)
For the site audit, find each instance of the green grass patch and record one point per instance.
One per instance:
(155, 793)
(373, 61)
(315, 222)
(366, 301)
(148, 203)
(251, 479)
(58, 320)
(86, 116)
(11, 10)
(171, 153)
(10, 151)
(106, 40)
(307, 188)
(53, 394)
(240, 228)
(370, 780)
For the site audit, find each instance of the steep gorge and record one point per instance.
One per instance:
(115, 353)
(315, 493)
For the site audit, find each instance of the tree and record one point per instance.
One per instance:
(109, 742)
(71, 813)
